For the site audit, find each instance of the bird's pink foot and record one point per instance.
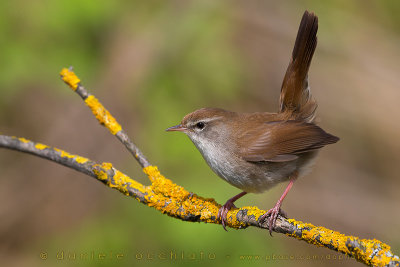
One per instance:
(223, 211)
(272, 215)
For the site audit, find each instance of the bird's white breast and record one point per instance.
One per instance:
(247, 176)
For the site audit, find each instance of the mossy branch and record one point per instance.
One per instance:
(174, 200)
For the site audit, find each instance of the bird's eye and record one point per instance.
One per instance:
(200, 125)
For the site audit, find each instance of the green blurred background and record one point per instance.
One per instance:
(150, 63)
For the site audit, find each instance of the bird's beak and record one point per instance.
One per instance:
(176, 128)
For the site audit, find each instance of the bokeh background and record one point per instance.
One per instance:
(150, 63)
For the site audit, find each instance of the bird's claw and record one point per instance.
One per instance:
(223, 211)
(272, 215)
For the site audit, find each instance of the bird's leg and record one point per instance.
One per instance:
(223, 211)
(273, 213)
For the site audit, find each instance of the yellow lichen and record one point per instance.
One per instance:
(373, 251)
(81, 160)
(23, 140)
(251, 211)
(102, 115)
(66, 154)
(254, 211)
(107, 166)
(320, 236)
(99, 171)
(70, 78)
(168, 197)
(208, 208)
(77, 158)
(119, 181)
(40, 146)
(122, 182)
(152, 172)
(164, 189)
(165, 186)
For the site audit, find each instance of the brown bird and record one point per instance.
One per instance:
(255, 151)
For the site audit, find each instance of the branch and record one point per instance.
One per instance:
(102, 115)
(175, 201)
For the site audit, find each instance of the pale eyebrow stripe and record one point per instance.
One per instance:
(208, 119)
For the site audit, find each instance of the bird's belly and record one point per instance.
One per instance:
(255, 177)
(252, 177)
(247, 176)
(258, 177)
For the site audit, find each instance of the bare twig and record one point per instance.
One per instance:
(174, 200)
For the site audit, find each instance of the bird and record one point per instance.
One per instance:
(258, 150)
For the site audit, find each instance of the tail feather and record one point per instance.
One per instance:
(295, 98)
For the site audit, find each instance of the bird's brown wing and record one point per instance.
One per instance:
(295, 99)
(282, 141)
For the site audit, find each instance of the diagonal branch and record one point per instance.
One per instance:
(175, 201)
(102, 115)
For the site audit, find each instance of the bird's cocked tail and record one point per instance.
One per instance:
(295, 98)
